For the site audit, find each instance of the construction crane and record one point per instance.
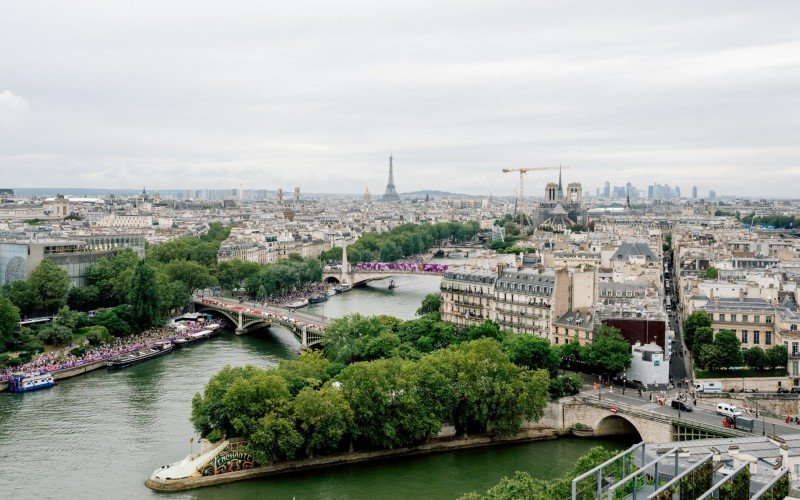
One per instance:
(522, 172)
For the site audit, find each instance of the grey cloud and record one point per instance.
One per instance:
(317, 94)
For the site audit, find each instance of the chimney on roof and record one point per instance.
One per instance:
(741, 295)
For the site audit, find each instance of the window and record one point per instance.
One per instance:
(768, 338)
(744, 318)
(744, 336)
(629, 293)
(769, 319)
(721, 317)
(793, 327)
(733, 317)
(757, 318)
(756, 337)
(794, 348)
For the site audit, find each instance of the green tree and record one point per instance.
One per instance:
(697, 319)
(143, 297)
(51, 284)
(98, 335)
(387, 408)
(755, 358)
(194, 275)
(208, 410)
(247, 400)
(9, 317)
(70, 319)
(428, 334)
(430, 304)
(83, 298)
(724, 352)
(324, 417)
(346, 338)
(488, 387)
(391, 252)
(111, 321)
(55, 334)
(711, 273)
(23, 295)
(533, 352)
(310, 370)
(777, 356)
(487, 329)
(703, 335)
(274, 437)
(609, 353)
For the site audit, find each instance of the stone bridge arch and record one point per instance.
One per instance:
(616, 425)
(603, 421)
(332, 280)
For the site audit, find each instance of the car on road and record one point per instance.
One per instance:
(681, 405)
(795, 390)
(727, 410)
(784, 390)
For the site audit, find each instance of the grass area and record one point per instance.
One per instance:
(80, 334)
(743, 373)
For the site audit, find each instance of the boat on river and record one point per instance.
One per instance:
(316, 299)
(27, 382)
(344, 287)
(141, 355)
(196, 337)
(298, 304)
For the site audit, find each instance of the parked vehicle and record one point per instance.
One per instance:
(711, 386)
(681, 405)
(728, 410)
(795, 390)
(784, 390)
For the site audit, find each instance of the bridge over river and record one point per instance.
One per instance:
(307, 328)
(616, 414)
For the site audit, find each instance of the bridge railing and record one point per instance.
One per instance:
(651, 415)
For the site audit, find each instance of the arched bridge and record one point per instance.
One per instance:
(308, 333)
(369, 271)
(605, 418)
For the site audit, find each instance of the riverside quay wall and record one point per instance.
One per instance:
(436, 445)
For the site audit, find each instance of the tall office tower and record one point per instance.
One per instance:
(598, 192)
(607, 189)
(712, 195)
(678, 191)
(391, 192)
(650, 192)
(694, 192)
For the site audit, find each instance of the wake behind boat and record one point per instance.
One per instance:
(134, 357)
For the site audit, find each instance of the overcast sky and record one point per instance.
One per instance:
(316, 94)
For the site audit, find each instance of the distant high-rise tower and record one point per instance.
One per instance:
(280, 196)
(607, 189)
(297, 195)
(391, 192)
(694, 192)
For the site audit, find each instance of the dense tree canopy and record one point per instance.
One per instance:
(403, 241)
(51, 284)
(697, 319)
(609, 352)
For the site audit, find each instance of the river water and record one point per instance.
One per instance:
(102, 434)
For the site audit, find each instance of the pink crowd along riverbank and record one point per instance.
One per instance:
(63, 361)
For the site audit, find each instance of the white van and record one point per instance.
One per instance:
(710, 386)
(728, 410)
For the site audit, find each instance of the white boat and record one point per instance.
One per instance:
(27, 382)
(298, 304)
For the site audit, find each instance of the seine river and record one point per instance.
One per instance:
(102, 434)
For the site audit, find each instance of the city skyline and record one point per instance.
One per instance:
(319, 97)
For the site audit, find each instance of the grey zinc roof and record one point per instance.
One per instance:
(575, 319)
(626, 250)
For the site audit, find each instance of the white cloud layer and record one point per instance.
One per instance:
(317, 93)
(13, 109)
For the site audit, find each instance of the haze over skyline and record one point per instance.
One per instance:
(317, 94)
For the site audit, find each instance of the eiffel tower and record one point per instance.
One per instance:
(391, 192)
